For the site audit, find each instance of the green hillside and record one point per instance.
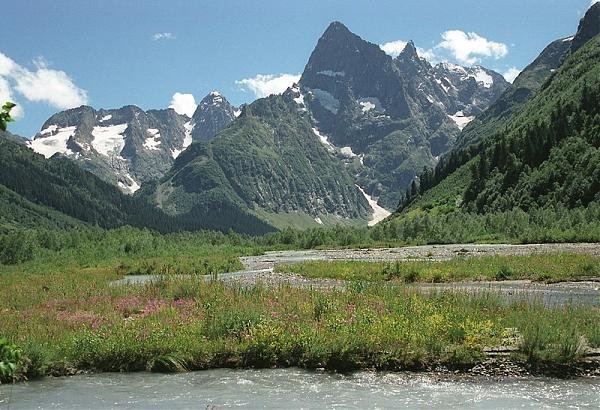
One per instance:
(269, 162)
(56, 192)
(545, 162)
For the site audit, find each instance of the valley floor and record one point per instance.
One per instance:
(294, 308)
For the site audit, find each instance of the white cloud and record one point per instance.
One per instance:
(468, 48)
(511, 74)
(428, 55)
(184, 104)
(50, 86)
(43, 84)
(265, 85)
(163, 36)
(393, 48)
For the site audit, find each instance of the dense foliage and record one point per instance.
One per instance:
(56, 192)
(5, 114)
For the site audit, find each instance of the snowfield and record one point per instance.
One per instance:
(153, 141)
(109, 139)
(53, 140)
(460, 120)
(379, 213)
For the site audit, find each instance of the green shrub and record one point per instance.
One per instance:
(10, 357)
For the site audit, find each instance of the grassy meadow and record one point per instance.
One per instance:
(74, 320)
(545, 267)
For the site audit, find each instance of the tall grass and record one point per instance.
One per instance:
(545, 267)
(67, 321)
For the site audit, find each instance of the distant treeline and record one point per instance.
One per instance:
(517, 226)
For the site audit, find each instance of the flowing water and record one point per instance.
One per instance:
(295, 388)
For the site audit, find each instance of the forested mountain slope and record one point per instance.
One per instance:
(530, 81)
(56, 192)
(547, 157)
(269, 162)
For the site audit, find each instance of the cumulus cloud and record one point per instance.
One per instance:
(265, 85)
(43, 84)
(511, 74)
(163, 36)
(466, 48)
(184, 104)
(469, 48)
(428, 55)
(393, 48)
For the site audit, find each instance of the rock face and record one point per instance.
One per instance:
(212, 115)
(589, 27)
(128, 146)
(395, 115)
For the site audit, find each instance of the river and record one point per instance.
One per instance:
(295, 388)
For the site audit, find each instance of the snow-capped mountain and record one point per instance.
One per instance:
(395, 115)
(129, 146)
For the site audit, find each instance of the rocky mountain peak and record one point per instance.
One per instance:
(589, 27)
(336, 31)
(341, 51)
(408, 60)
(212, 115)
(410, 50)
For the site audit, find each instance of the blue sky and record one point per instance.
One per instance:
(110, 53)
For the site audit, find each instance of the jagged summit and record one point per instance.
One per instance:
(212, 115)
(335, 30)
(409, 50)
(589, 27)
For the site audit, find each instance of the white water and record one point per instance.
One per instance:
(295, 388)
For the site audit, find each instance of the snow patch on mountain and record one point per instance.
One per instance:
(109, 139)
(152, 142)
(347, 152)
(379, 213)
(460, 120)
(187, 139)
(370, 103)
(324, 140)
(330, 73)
(483, 78)
(52, 140)
(105, 118)
(128, 184)
(298, 97)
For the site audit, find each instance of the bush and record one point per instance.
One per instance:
(10, 357)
